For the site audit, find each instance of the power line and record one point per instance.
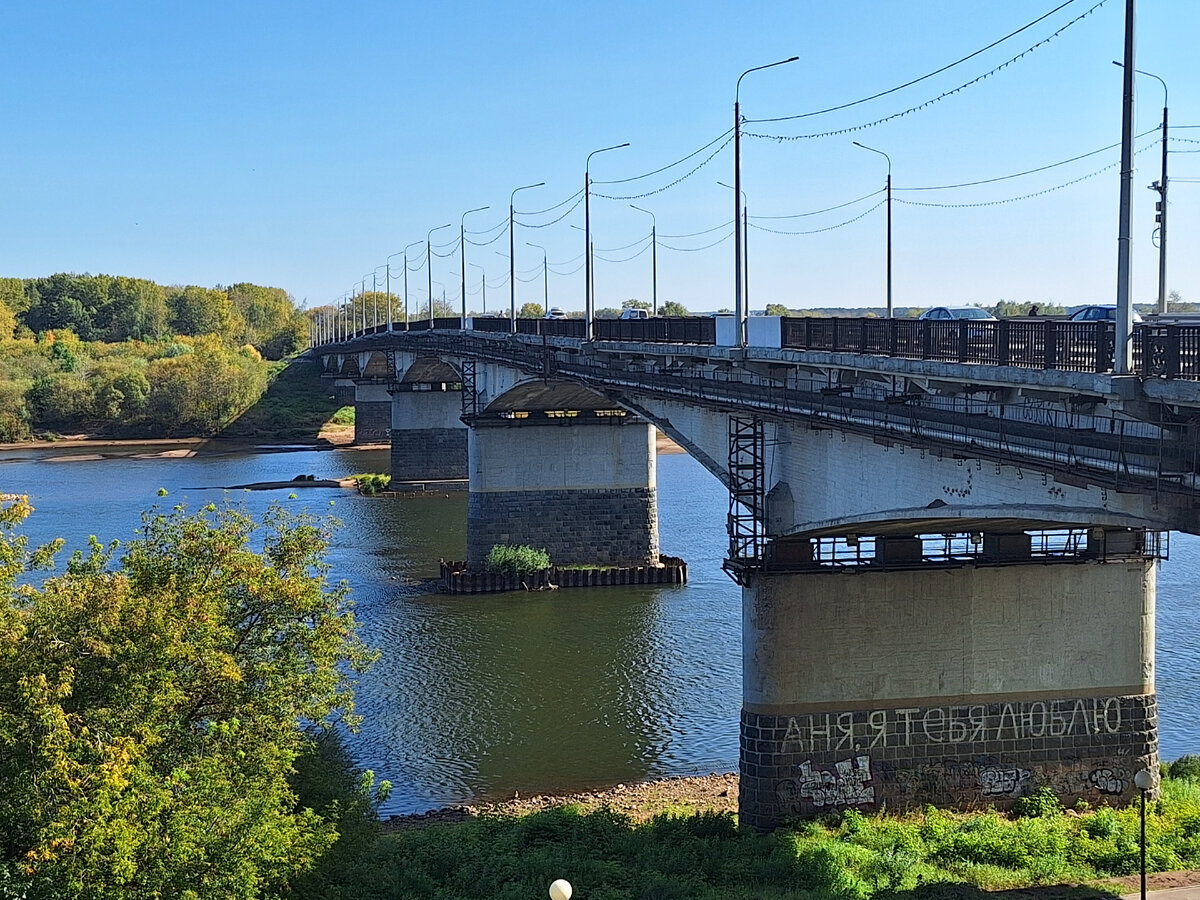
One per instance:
(670, 165)
(942, 96)
(817, 212)
(667, 187)
(697, 249)
(944, 187)
(827, 228)
(946, 68)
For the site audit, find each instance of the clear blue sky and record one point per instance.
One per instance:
(299, 144)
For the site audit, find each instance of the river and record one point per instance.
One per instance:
(538, 693)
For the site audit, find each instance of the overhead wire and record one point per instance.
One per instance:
(820, 230)
(850, 129)
(667, 187)
(697, 249)
(948, 66)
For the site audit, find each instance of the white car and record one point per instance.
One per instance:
(1099, 313)
(634, 314)
(948, 313)
(556, 312)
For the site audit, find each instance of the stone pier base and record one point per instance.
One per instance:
(429, 454)
(614, 527)
(964, 688)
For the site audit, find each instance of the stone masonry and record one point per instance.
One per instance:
(617, 527)
(372, 421)
(961, 755)
(429, 454)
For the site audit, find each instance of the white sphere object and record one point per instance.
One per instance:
(560, 890)
(1144, 780)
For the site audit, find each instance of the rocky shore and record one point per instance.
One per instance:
(640, 801)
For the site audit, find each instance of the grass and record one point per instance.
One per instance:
(928, 855)
(297, 403)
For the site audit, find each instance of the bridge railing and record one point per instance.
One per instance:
(658, 330)
(1168, 350)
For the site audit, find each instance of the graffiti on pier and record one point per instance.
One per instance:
(847, 783)
(1109, 781)
(1003, 781)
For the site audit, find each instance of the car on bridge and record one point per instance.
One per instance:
(949, 313)
(634, 314)
(556, 312)
(1099, 313)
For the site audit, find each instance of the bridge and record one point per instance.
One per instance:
(946, 534)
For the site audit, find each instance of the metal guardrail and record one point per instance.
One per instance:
(1159, 351)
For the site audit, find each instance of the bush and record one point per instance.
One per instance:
(372, 482)
(1043, 802)
(509, 559)
(344, 416)
(1187, 766)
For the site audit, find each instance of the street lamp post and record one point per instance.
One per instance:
(745, 230)
(462, 252)
(1161, 187)
(1123, 351)
(387, 264)
(889, 222)
(406, 249)
(512, 266)
(545, 277)
(429, 266)
(1143, 781)
(588, 299)
(739, 305)
(482, 283)
(653, 257)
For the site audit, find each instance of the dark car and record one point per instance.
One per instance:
(1099, 313)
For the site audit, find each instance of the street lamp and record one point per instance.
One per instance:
(512, 268)
(739, 307)
(462, 252)
(1161, 187)
(388, 282)
(889, 222)
(653, 256)
(745, 227)
(1123, 350)
(429, 265)
(1143, 781)
(406, 249)
(545, 278)
(588, 299)
(482, 282)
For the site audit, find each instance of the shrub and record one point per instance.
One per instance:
(1187, 766)
(510, 559)
(371, 482)
(344, 416)
(1043, 802)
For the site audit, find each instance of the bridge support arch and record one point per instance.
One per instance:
(959, 686)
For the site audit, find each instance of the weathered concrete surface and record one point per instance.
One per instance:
(344, 391)
(957, 687)
(584, 491)
(429, 440)
(372, 414)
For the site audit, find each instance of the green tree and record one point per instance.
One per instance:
(531, 311)
(196, 310)
(777, 309)
(272, 322)
(152, 706)
(608, 312)
(632, 303)
(673, 308)
(203, 390)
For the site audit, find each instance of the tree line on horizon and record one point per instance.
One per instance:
(130, 357)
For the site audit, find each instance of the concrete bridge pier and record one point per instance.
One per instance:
(344, 391)
(958, 686)
(372, 412)
(582, 486)
(429, 439)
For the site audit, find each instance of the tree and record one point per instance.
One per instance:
(673, 308)
(152, 706)
(200, 391)
(607, 312)
(777, 309)
(635, 304)
(531, 311)
(197, 310)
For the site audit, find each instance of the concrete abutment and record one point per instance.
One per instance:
(960, 687)
(372, 413)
